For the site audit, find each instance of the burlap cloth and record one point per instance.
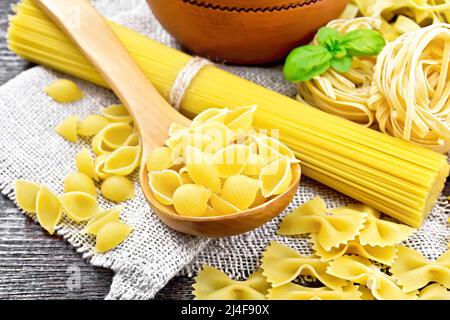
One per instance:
(153, 254)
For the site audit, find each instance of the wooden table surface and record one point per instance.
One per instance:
(34, 265)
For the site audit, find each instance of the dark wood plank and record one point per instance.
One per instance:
(34, 265)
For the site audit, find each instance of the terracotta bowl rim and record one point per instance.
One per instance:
(252, 7)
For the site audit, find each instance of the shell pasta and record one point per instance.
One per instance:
(219, 165)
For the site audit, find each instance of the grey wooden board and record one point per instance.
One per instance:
(34, 265)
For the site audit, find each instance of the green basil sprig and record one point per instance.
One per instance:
(333, 51)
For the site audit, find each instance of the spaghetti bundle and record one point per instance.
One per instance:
(344, 94)
(389, 174)
(411, 90)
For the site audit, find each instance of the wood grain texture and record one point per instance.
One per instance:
(34, 265)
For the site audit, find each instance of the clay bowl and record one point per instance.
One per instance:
(244, 31)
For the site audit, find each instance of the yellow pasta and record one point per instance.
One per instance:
(241, 118)
(77, 181)
(159, 159)
(191, 200)
(111, 235)
(434, 291)
(240, 191)
(134, 140)
(222, 206)
(213, 284)
(26, 193)
(282, 265)
(163, 185)
(48, 209)
(331, 230)
(361, 271)
(378, 232)
(420, 13)
(393, 176)
(411, 91)
(117, 189)
(231, 160)
(85, 163)
(255, 164)
(123, 161)
(99, 166)
(272, 149)
(344, 94)
(276, 177)
(117, 113)
(99, 220)
(79, 206)
(115, 135)
(385, 255)
(91, 125)
(210, 115)
(413, 271)
(202, 170)
(68, 128)
(291, 291)
(99, 146)
(64, 91)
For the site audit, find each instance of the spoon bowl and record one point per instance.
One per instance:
(223, 225)
(152, 115)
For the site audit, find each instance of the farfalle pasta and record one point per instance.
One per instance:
(213, 284)
(385, 255)
(413, 271)
(331, 230)
(281, 265)
(219, 165)
(362, 271)
(434, 291)
(379, 232)
(292, 291)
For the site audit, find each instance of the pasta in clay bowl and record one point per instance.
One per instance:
(216, 198)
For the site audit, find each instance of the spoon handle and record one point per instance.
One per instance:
(87, 28)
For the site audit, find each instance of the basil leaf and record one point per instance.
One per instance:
(363, 42)
(342, 65)
(328, 37)
(307, 62)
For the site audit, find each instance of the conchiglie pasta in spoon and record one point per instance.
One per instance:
(217, 192)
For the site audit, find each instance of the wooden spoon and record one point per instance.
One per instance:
(152, 115)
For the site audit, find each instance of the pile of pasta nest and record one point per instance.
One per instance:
(357, 255)
(405, 91)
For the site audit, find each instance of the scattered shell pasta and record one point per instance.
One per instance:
(111, 235)
(64, 91)
(68, 128)
(79, 206)
(48, 209)
(236, 167)
(91, 125)
(116, 113)
(117, 189)
(26, 193)
(77, 181)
